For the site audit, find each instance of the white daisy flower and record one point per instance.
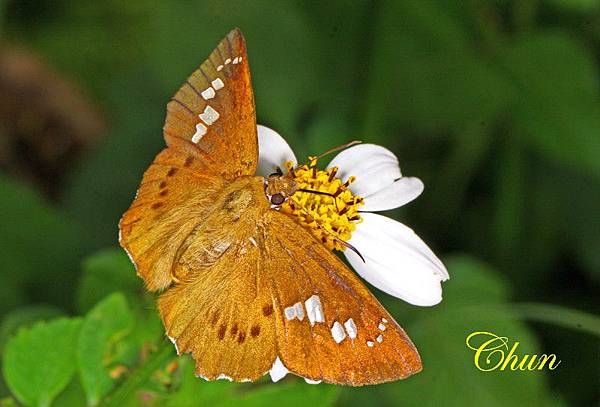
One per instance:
(364, 178)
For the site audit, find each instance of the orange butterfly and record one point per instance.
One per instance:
(247, 289)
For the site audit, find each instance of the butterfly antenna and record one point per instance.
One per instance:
(337, 239)
(338, 148)
(346, 244)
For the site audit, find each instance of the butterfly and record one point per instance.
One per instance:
(245, 289)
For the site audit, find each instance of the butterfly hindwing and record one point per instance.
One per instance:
(222, 313)
(276, 292)
(346, 336)
(214, 109)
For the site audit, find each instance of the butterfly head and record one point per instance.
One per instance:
(319, 200)
(279, 187)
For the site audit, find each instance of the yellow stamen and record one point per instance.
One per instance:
(330, 219)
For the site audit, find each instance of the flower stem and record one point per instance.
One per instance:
(140, 376)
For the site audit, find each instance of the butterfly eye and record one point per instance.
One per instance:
(277, 199)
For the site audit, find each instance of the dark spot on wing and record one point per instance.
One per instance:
(241, 337)
(157, 205)
(255, 331)
(188, 161)
(234, 329)
(162, 184)
(171, 172)
(227, 202)
(267, 310)
(222, 330)
(215, 318)
(163, 192)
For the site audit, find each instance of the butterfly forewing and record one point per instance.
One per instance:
(175, 194)
(214, 109)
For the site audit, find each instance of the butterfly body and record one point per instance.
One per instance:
(246, 289)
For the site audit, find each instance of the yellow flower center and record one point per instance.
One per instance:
(324, 204)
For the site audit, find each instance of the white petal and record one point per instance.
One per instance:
(273, 151)
(374, 167)
(397, 261)
(278, 371)
(393, 196)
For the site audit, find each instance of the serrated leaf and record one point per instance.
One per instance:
(106, 324)
(24, 317)
(110, 271)
(40, 361)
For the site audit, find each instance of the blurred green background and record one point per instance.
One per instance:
(493, 104)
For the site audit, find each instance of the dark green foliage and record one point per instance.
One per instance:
(493, 104)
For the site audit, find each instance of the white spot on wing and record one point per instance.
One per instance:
(290, 313)
(235, 60)
(200, 132)
(380, 338)
(370, 344)
(208, 93)
(299, 310)
(381, 327)
(278, 371)
(219, 67)
(314, 310)
(351, 328)
(253, 241)
(209, 116)
(223, 376)
(337, 331)
(228, 60)
(309, 381)
(384, 320)
(174, 344)
(218, 84)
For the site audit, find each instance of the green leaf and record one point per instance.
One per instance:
(25, 317)
(297, 393)
(426, 74)
(40, 361)
(103, 327)
(581, 6)
(39, 247)
(110, 271)
(104, 273)
(194, 391)
(557, 107)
